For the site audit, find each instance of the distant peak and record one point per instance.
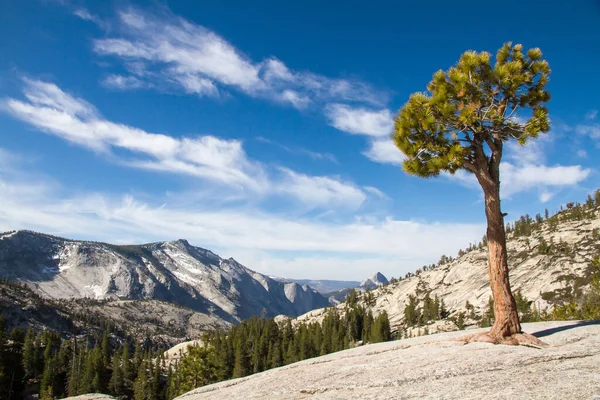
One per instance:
(183, 242)
(379, 277)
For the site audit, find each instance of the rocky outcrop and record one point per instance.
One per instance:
(436, 367)
(532, 272)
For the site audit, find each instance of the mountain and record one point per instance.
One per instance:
(374, 281)
(323, 286)
(436, 367)
(549, 259)
(174, 272)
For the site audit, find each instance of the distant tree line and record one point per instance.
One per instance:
(260, 344)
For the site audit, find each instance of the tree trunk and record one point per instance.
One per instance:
(506, 317)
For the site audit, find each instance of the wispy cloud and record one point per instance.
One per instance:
(265, 241)
(384, 151)
(85, 15)
(592, 130)
(180, 53)
(376, 124)
(120, 82)
(52, 110)
(209, 158)
(360, 121)
(315, 155)
(525, 169)
(318, 191)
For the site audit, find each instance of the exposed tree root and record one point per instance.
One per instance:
(518, 339)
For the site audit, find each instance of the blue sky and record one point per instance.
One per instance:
(260, 130)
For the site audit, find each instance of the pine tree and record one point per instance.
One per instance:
(49, 376)
(128, 368)
(13, 362)
(242, 360)
(463, 124)
(75, 372)
(31, 359)
(380, 331)
(117, 382)
(140, 385)
(47, 393)
(197, 368)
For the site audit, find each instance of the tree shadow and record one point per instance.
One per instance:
(551, 331)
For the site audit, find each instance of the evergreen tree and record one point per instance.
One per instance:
(380, 330)
(47, 393)
(117, 380)
(12, 359)
(242, 360)
(129, 370)
(31, 360)
(49, 378)
(75, 372)
(140, 385)
(463, 124)
(197, 368)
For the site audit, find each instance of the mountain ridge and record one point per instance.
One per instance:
(546, 256)
(172, 271)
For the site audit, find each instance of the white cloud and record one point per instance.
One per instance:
(85, 15)
(384, 151)
(591, 130)
(121, 82)
(193, 84)
(58, 113)
(297, 100)
(315, 155)
(375, 191)
(176, 51)
(360, 121)
(377, 124)
(546, 196)
(208, 157)
(525, 170)
(318, 191)
(524, 177)
(268, 242)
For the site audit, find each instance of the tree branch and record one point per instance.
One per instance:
(470, 166)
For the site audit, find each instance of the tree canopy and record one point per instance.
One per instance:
(471, 109)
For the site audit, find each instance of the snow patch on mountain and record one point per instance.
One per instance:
(175, 272)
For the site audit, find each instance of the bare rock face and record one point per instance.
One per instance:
(174, 272)
(466, 278)
(437, 367)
